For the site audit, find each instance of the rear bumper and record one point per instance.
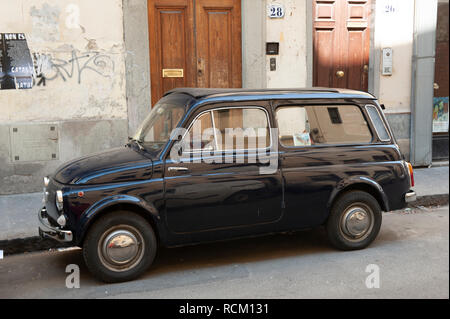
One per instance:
(48, 231)
(410, 196)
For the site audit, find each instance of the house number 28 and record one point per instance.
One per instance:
(275, 11)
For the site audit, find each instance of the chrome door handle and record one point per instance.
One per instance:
(177, 168)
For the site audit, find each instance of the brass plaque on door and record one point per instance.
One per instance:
(172, 73)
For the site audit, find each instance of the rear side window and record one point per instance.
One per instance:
(378, 122)
(322, 124)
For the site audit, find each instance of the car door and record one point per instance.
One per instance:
(220, 181)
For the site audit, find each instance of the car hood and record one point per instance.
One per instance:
(120, 164)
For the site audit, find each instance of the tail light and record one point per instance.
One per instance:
(411, 174)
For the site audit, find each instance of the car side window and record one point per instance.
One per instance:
(322, 124)
(377, 122)
(241, 128)
(225, 129)
(200, 135)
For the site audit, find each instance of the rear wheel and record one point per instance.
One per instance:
(354, 221)
(120, 246)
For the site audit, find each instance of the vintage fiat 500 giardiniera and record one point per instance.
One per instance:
(213, 164)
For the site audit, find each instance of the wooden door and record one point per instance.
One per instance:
(218, 25)
(341, 43)
(171, 42)
(194, 43)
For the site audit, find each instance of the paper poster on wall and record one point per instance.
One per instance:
(16, 65)
(440, 114)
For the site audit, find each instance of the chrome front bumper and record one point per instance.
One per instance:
(48, 231)
(410, 196)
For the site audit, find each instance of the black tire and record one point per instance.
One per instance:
(348, 216)
(115, 233)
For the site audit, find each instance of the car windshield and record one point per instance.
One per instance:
(155, 131)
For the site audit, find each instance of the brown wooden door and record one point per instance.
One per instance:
(218, 25)
(341, 43)
(200, 37)
(171, 41)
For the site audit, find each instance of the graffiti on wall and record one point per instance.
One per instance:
(21, 70)
(48, 68)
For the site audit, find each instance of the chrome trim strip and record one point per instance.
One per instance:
(177, 168)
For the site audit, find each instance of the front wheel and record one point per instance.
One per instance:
(120, 246)
(354, 221)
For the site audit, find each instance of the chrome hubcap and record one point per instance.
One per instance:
(121, 248)
(357, 221)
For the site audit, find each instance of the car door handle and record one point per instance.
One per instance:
(177, 168)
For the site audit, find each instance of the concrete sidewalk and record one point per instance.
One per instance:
(431, 181)
(18, 213)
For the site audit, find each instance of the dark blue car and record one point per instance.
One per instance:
(214, 164)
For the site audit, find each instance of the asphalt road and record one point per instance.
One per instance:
(411, 253)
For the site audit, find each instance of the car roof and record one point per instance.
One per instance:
(291, 93)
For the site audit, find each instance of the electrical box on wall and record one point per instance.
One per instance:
(34, 142)
(387, 62)
(272, 48)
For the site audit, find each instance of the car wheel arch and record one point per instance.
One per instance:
(360, 184)
(149, 212)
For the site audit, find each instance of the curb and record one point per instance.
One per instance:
(28, 245)
(430, 200)
(32, 244)
(439, 164)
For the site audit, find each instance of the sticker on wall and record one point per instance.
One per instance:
(16, 65)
